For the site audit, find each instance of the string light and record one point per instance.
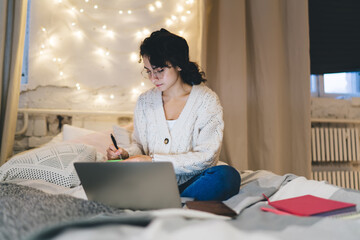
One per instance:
(180, 14)
(180, 8)
(169, 22)
(158, 4)
(151, 8)
(110, 34)
(133, 57)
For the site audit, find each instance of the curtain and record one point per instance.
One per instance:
(256, 57)
(12, 36)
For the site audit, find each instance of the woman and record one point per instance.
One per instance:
(179, 120)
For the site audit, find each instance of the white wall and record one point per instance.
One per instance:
(75, 62)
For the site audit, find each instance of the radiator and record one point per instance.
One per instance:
(345, 179)
(335, 144)
(335, 154)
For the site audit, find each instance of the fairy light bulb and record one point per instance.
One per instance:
(142, 84)
(59, 59)
(86, 1)
(135, 91)
(110, 34)
(81, 10)
(183, 18)
(139, 34)
(96, 6)
(129, 12)
(169, 22)
(54, 59)
(146, 32)
(151, 8)
(78, 34)
(133, 57)
(52, 41)
(158, 4)
(121, 12)
(43, 29)
(61, 74)
(188, 12)
(77, 86)
(73, 24)
(180, 8)
(112, 96)
(173, 17)
(181, 33)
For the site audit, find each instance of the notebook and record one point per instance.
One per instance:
(309, 205)
(215, 207)
(130, 185)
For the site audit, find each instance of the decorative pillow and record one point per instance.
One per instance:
(99, 140)
(72, 132)
(53, 164)
(122, 135)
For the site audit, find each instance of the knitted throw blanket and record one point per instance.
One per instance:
(25, 210)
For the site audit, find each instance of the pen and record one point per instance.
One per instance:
(115, 144)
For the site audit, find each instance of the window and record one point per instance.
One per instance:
(25, 66)
(340, 85)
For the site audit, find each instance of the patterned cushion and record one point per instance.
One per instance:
(53, 164)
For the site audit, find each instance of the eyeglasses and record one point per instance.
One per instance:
(157, 73)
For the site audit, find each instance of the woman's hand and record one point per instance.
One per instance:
(139, 158)
(113, 153)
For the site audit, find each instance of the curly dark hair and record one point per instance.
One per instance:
(164, 47)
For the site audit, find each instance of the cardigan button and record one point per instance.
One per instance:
(166, 140)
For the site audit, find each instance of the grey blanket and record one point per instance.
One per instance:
(28, 213)
(25, 210)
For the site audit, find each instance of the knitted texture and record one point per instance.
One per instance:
(193, 144)
(25, 210)
(54, 164)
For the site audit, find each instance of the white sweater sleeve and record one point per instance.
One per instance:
(206, 152)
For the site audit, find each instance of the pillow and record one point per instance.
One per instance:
(72, 132)
(53, 164)
(99, 140)
(121, 135)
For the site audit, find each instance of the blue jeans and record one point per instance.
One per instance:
(215, 183)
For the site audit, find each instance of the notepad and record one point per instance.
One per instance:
(309, 205)
(215, 207)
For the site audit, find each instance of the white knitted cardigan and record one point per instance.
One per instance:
(194, 142)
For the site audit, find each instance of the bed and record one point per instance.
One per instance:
(41, 198)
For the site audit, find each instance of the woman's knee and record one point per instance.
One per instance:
(229, 176)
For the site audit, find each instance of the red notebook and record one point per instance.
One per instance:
(309, 205)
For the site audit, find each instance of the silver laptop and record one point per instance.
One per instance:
(133, 185)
